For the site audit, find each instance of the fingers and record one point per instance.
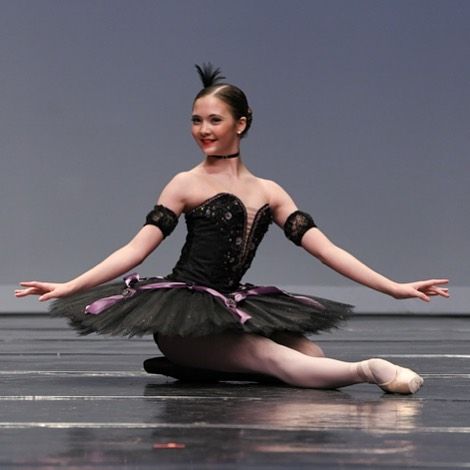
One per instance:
(33, 288)
(33, 291)
(22, 292)
(435, 282)
(50, 295)
(438, 291)
(431, 287)
(424, 290)
(37, 284)
(26, 292)
(422, 296)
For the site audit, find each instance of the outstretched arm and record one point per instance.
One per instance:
(119, 262)
(318, 245)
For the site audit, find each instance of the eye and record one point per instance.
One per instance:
(216, 120)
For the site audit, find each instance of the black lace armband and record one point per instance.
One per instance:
(296, 225)
(163, 218)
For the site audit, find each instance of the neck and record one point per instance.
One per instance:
(227, 166)
(223, 157)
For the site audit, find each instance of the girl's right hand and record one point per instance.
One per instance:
(45, 290)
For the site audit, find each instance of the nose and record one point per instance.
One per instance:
(204, 129)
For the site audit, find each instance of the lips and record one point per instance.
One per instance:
(206, 142)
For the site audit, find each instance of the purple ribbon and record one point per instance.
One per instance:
(230, 301)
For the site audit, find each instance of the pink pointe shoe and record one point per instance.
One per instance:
(405, 381)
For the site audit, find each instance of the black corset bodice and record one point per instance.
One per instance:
(219, 246)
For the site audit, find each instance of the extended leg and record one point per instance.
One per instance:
(247, 353)
(231, 352)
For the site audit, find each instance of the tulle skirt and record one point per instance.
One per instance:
(188, 310)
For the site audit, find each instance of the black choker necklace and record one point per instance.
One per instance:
(232, 155)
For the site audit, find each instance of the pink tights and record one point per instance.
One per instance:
(291, 358)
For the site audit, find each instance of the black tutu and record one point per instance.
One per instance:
(189, 312)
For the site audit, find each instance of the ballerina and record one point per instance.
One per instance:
(204, 320)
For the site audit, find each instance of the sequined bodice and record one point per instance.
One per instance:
(221, 242)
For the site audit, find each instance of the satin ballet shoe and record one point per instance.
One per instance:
(405, 382)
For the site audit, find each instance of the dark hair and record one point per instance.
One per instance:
(212, 81)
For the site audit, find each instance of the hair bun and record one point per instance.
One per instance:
(209, 75)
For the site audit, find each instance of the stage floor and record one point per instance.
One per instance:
(86, 403)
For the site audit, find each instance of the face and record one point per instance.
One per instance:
(214, 128)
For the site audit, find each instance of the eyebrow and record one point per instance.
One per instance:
(210, 115)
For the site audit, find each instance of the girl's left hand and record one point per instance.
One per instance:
(45, 290)
(423, 290)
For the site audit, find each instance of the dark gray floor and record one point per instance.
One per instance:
(85, 403)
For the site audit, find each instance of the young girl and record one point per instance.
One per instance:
(201, 316)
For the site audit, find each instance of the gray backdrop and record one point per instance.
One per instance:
(361, 111)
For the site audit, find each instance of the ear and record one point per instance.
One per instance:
(241, 125)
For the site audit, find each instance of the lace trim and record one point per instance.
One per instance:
(163, 218)
(296, 225)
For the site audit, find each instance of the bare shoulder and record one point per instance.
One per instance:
(280, 201)
(276, 193)
(178, 183)
(182, 179)
(176, 192)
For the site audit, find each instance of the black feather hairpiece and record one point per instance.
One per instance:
(209, 74)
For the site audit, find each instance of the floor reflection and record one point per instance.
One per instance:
(235, 423)
(287, 408)
(281, 421)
